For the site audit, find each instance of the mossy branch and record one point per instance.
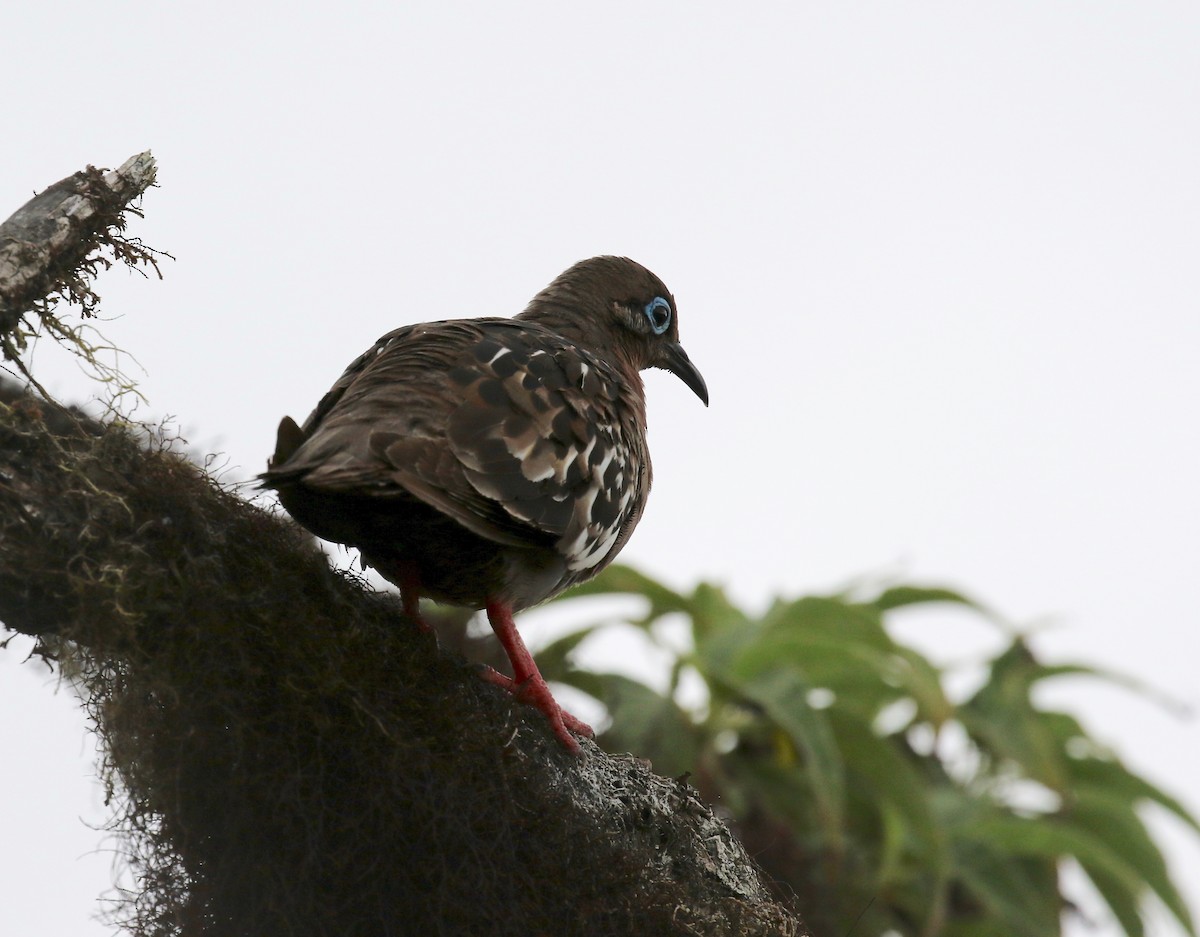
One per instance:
(289, 755)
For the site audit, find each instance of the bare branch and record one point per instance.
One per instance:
(53, 247)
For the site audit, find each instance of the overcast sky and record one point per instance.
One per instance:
(937, 262)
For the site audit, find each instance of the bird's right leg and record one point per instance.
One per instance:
(574, 723)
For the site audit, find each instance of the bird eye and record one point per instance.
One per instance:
(658, 313)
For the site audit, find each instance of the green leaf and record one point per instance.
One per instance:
(895, 829)
(713, 614)
(782, 695)
(1064, 727)
(1003, 721)
(1021, 892)
(824, 660)
(900, 596)
(831, 619)
(923, 681)
(835, 645)
(1110, 817)
(1140, 687)
(717, 650)
(1051, 838)
(1123, 903)
(887, 781)
(1114, 777)
(1019, 736)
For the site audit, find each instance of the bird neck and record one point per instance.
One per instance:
(585, 327)
(568, 315)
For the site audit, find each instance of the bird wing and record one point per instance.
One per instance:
(503, 425)
(543, 431)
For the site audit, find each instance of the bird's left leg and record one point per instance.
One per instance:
(409, 581)
(528, 685)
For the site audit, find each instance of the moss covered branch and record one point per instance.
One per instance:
(288, 755)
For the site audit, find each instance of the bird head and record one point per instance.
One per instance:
(615, 304)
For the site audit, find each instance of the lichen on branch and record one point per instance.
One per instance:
(51, 251)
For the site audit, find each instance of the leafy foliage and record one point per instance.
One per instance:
(863, 785)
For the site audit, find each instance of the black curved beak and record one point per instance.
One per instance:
(675, 360)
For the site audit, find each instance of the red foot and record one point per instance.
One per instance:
(526, 693)
(527, 684)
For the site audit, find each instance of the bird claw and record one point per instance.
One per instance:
(535, 692)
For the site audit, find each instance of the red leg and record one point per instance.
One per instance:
(410, 594)
(528, 684)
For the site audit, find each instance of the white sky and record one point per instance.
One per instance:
(937, 261)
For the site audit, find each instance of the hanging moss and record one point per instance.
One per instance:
(286, 754)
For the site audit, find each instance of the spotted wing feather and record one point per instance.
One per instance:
(521, 436)
(540, 431)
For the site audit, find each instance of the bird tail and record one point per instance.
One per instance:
(288, 439)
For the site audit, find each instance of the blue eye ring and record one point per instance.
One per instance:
(658, 314)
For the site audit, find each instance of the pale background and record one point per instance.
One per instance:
(937, 261)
